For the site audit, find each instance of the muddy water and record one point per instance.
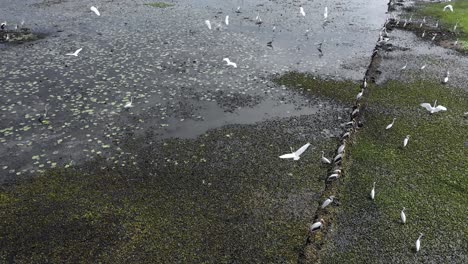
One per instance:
(171, 64)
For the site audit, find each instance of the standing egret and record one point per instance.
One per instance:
(364, 84)
(434, 109)
(446, 78)
(450, 7)
(296, 155)
(226, 20)
(455, 43)
(404, 66)
(341, 148)
(423, 34)
(455, 27)
(405, 141)
(437, 24)
(338, 157)
(325, 13)
(434, 37)
(423, 67)
(328, 201)
(403, 216)
(301, 10)
(74, 53)
(208, 24)
(324, 160)
(359, 95)
(129, 104)
(418, 242)
(230, 63)
(238, 10)
(316, 226)
(372, 192)
(391, 124)
(95, 10)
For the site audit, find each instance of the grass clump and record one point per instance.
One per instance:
(159, 4)
(428, 177)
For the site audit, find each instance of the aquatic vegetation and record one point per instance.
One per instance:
(427, 177)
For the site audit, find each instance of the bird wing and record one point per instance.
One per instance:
(95, 10)
(427, 106)
(440, 108)
(302, 149)
(287, 156)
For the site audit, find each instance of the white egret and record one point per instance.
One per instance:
(418, 242)
(455, 43)
(325, 13)
(95, 10)
(238, 10)
(406, 22)
(372, 193)
(342, 148)
(208, 24)
(3, 25)
(316, 226)
(455, 27)
(437, 24)
(433, 38)
(338, 157)
(359, 95)
(296, 155)
(301, 10)
(446, 78)
(328, 201)
(391, 124)
(230, 63)
(423, 67)
(405, 141)
(324, 160)
(423, 34)
(434, 109)
(365, 83)
(404, 66)
(333, 176)
(226, 20)
(403, 216)
(74, 53)
(129, 104)
(450, 7)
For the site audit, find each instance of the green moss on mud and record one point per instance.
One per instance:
(185, 201)
(428, 177)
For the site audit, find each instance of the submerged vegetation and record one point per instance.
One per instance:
(428, 177)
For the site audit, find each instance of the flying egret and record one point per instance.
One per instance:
(405, 141)
(434, 109)
(129, 104)
(372, 193)
(316, 226)
(418, 242)
(74, 53)
(95, 10)
(296, 155)
(403, 216)
(328, 201)
(208, 24)
(423, 67)
(230, 63)
(226, 20)
(450, 7)
(324, 160)
(391, 124)
(301, 10)
(325, 13)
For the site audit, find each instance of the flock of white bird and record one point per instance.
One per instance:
(295, 155)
